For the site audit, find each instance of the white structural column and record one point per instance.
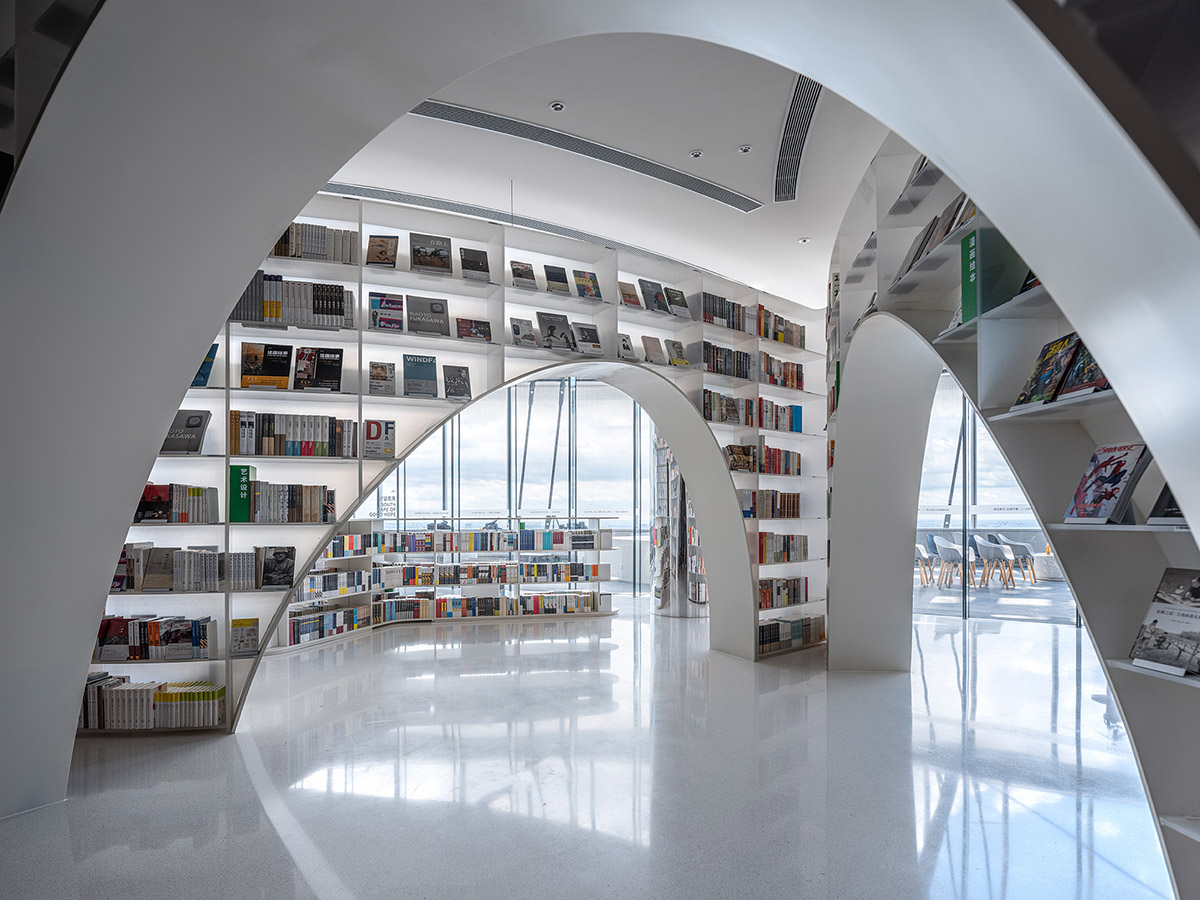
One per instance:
(888, 383)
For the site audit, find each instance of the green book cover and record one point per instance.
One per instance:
(239, 492)
(970, 279)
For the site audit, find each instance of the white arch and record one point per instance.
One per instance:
(184, 136)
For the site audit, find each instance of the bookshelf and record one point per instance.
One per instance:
(490, 364)
(1113, 570)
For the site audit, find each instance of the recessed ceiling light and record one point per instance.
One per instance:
(557, 105)
(696, 154)
(745, 148)
(805, 240)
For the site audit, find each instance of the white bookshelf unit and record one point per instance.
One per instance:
(1113, 570)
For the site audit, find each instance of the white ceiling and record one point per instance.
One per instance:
(657, 97)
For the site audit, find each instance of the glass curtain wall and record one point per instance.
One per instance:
(555, 451)
(979, 550)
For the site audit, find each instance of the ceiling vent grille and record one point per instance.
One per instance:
(795, 132)
(461, 115)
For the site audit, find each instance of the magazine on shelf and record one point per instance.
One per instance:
(1049, 370)
(916, 249)
(318, 369)
(387, 311)
(523, 276)
(382, 379)
(1031, 281)
(965, 214)
(428, 315)
(1106, 488)
(430, 254)
(474, 264)
(266, 365)
(155, 505)
(587, 338)
(523, 333)
(945, 222)
(1169, 638)
(277, 567)
(556, 331)
(420, 375)
(654, 350)
(1166, 511)
(186, 433)
(629, 294)
(675, 353)
(587, 285)
(474, 329)
(653, 297)
(677, 303)
(243, 637)
(205, 370)
(625, 348)
(379, 439)
(382, 250)
(556, 280)
(458, 382)
(1084, 376)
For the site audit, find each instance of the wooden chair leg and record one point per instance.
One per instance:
(971, 575)
(1032, 574)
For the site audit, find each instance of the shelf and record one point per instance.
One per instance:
(733, 382)
(135, 732)
(298, 332)
(735, 426)
(913, 194)
(413, 340)
(727, 334)
(260, 393)
(1035, 303)
(1069, 409)
(329, 600)
(153, 662)
(790, 650)
(401, 400)
(768, 344)
(420, 283)
(791, 606)
(263, 457)
(821, 435)
(935, 271)
(1188, 826)
(1115, 528)
(165, 593)
(191, 456)
(963, 334)
(550, 302)
(162, 524)
(332, 265)
(279, 524)
(1126, 666)
(798, 394)
(527, 352)
(664, 320)
(791, 562)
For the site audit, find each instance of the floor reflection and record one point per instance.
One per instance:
(619, 757)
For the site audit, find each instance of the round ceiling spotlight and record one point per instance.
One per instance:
(557, 105)
(804, 240)
(745, 148)
(696, 154)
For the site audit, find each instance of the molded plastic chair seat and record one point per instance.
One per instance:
(1022, 553)
(996, 558)
(953, 560)
(924, 565)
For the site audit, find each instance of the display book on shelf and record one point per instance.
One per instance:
(371, 577)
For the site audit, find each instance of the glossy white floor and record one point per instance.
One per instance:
(618, 758)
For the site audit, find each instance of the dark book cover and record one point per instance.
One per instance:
(1031, 281)
(474, 264)
(186, 433)
(1169, 637)
(587, 285)
(677, 303)
(318, 369)
(523, 276)
(430, 254)
(420, 376)
(155, 505)
(1166, 511)
(205, 371)
(474, 329)
(556, 280)
(556, 331)
(653, 297)
(1049, 371)
(428, 315)
(382, 250)
(1084, 376)
(458, 382)
(278, 567)
(266, 365)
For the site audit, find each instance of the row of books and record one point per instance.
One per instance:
(326, 584)
(787, 632)
(269, 366)
(766, 504)
(426, 316)
(467, 541)
(774, 593)
(280, 434)
(274, 300)
(776, 328)
(555, 332)
(780, 372)
(307, 240)
(307, 626)
(420, 378)
(718, 407)
(429, 254)
(958, 212)
(146, 568)
(178, 503)
(1064, 368)
(781, 548)
(780, 416)
(153, 636)
(251, 500)
(661, 353)
(428, 607)
(392, 576)
(716, 310)
(112, 702)
(726, 361)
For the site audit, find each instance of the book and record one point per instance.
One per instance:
(420, 376)
(318, 369)
(266, 365)
(587, 285)
(186, 433)
(205, 370)
(945, 222)
(1031, 281)
(474, 264)
(1049, 370)
(387, 311)
(523, 276)
(382, 379)
(654, 350)
(159, 569)
(1084, 376)
(1166, 511)
(458, 382)
(653, 297)
(523, 333)
(587, 338)
(677, 303)
(276, 567)
(430, 253)
(379, 439)
(916, 249)
(428, 315)
(382, 250)
(629, 294)
(556, 280)
(474, 329)
(1106, 488)
(243, 638)
(675, 353)
(1169, 637)
(625, 347)
(155, 505)
(556, 331)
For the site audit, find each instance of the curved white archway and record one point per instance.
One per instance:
(219, 120)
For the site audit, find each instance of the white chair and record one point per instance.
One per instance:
(952, 561)
(996, 558)
(1022, 553)
(924, 565)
